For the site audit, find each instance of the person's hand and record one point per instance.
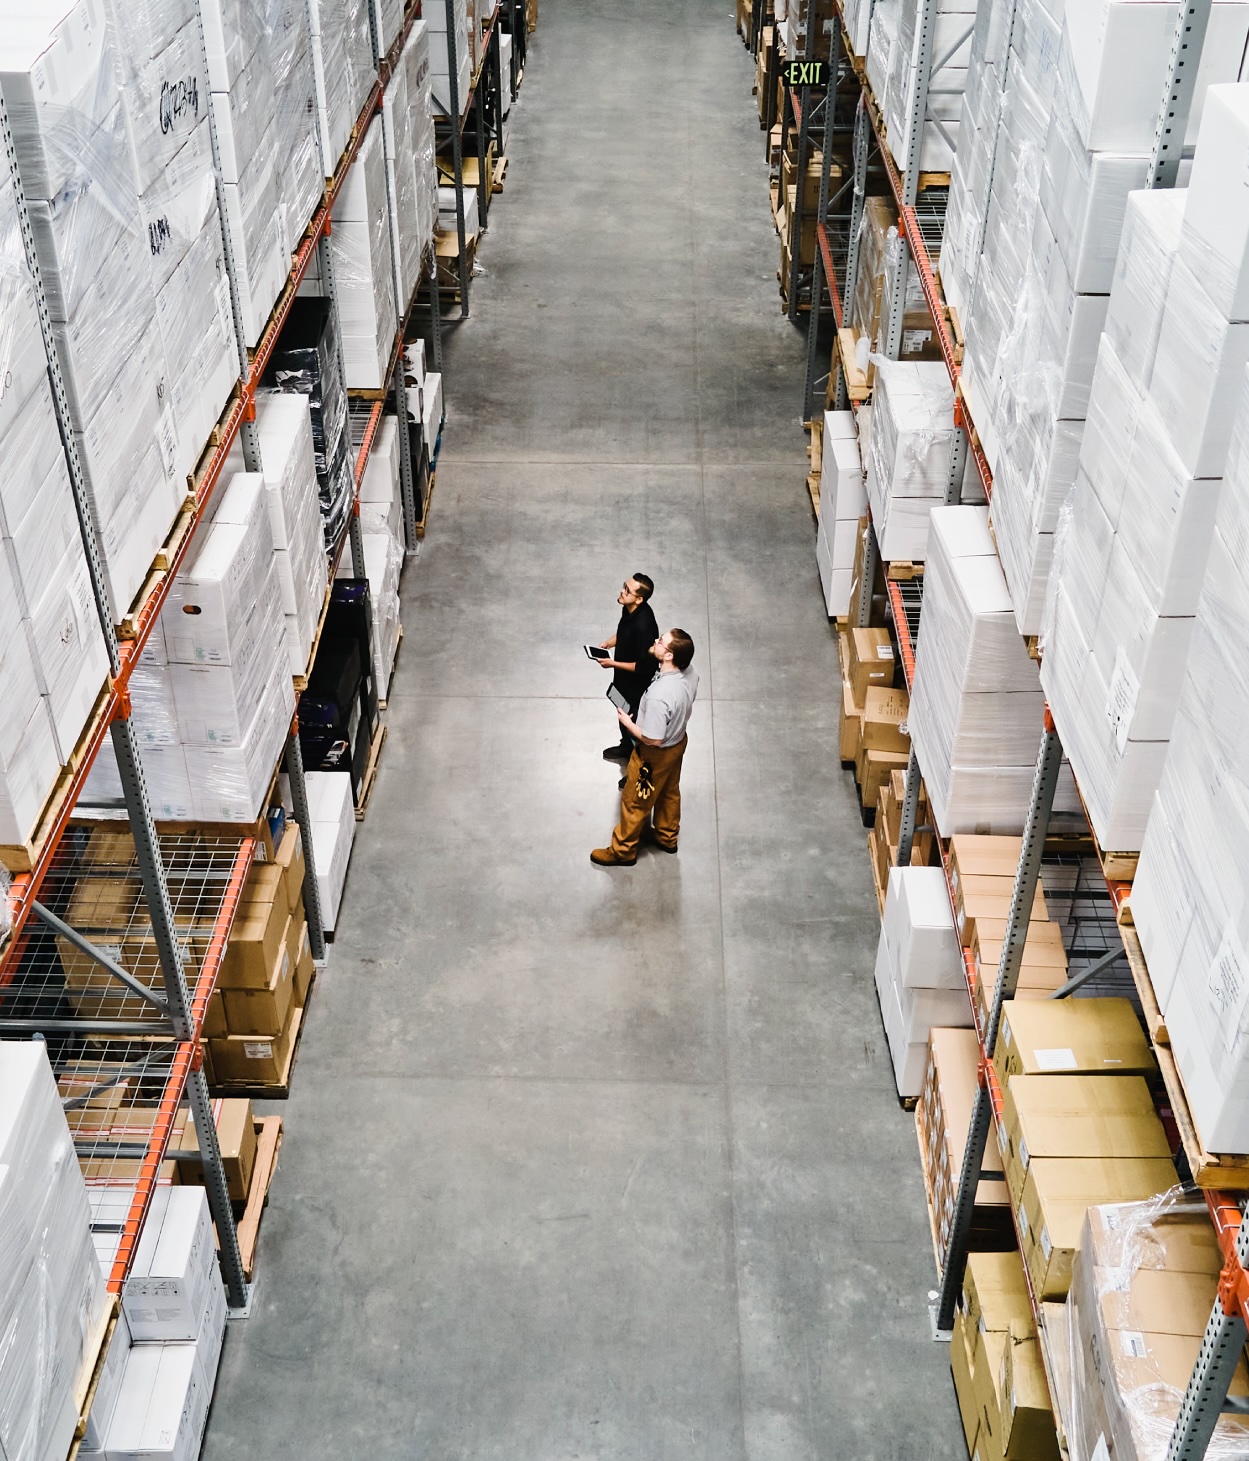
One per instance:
(623, 718)
(606, 644)
(607, 664)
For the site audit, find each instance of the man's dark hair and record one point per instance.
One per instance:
(646, 585)
(682, 647)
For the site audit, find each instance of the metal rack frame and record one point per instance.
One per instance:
(178, 1012)
(1226, 1331)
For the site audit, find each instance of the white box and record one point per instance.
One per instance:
(333, 831)
(166, 1294)
(920, 926)
(162, 1406)
(1215, 234)
(108, 1386)
(1150, 243)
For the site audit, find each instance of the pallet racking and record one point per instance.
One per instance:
(161, 1051)
(921, 210)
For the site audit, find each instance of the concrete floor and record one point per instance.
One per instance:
(586, 1163)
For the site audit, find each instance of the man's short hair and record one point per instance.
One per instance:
(646, 585)
(682, 647)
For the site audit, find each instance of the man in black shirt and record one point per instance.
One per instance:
(632, 665)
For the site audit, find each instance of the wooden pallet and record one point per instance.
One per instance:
(1210, 1169)
(927, 1176)
(499, 173)
(94, 1354)
(370, 771)
(301, 681)
(268, 1145)
(419, 528)
(22, 857)
(1055, 1360)
(813, 492)
(903, 570)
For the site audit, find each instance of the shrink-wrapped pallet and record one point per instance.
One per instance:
(1147, 251)
(843, 501)
(295, 137)
(439, 55)
(363, 268)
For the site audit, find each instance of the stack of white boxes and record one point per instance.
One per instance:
(976, 712)
(857, 17)
(950, 43)
(361, 70)
(296, 145)
(290, 478)
(381, 523)
(363, 270)
(165, 1352)
(225, 638)
(1188, 897)
(244, 103)
(1131, 555)
(843, 501)
(411, 174)
(331, 74)
(387, 22)
(52, 671)
(165, 98)
(448, 220)
(439, 56)
(908, 457)
(1034, 304)
(333, 815)
(51, 1289)
(417, 60)
(62, 87)
(919, 971)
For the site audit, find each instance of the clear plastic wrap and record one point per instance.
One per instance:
(332, 77)
(363, 273)
(1114, 405)
(51, 1289)
(1215, 236)
(359, 48)
(909, 456)
(879, 217)
(1149, 245)
(1143, 1285)
(886, 15)
(1034, 42)
(1198, 373)
(1166, 520)
(296, 143)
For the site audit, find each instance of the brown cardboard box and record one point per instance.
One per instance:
(259, 930)
(258, 1060)
(884, 721)
(843, 654)
(1028, 1430)
(1071, 1037)
(973, 853)
(962, 1344)
(215, 1017)
(290, 858)
(1076, 1116)
(236, 1137)
(1059, 1191)
(264, 1011)
(871, 661)
(986, 1367)
(872, 770)
(109, 845)
(301, 958)
(848, 729)
(1181, 1240)
(995, 1292)
(264, 884)
(980, 897)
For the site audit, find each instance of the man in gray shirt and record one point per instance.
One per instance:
(650, 803)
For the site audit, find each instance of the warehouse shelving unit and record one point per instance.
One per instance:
(155, 1047)
(920, 225)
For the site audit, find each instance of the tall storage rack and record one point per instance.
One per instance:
(482, 110)
(921, 214)
(162, 1051)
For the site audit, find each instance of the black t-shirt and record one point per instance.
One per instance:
(635, 634)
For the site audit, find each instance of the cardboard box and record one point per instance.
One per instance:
(871, 661)
(1175, 1240)
(259, 931)
(1057, 1194)
(1028, 1430)
(254, 1060)
(848, 725)
(215, 1017)
(1084, 1116)
(883, 726)
(264, 1011)
(989, 898)
(301, 958)
(236, 1138)
(872, 770)
(290, 858)
(995, 1292)
(962, 1345)
(166, 1293)
(1071, 1037)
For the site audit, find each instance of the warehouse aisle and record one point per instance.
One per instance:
(587, 1163)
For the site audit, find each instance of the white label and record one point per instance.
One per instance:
(167, 440)
(1046, 1246)
(1228, 988)
(225, 317)
(884, 651)
(1101, 1451)
(1002, 1140)
(913, 340)
(1006, 1030)
(1023, 1222)
(1121, 700)
(1059, 1058)
(258, 1049)
(1023, 1151)
(1134, 1345)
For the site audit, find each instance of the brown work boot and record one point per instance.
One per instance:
(648, 835)
(605, 857)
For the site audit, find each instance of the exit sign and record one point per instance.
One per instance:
(805, 73)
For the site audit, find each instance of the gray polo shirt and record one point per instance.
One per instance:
(666, 707)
